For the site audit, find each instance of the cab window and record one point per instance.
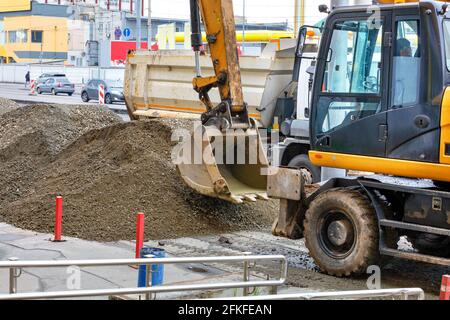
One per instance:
(406, 64)
(351, 88)
(354, 59)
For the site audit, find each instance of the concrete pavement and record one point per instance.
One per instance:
(28, 245)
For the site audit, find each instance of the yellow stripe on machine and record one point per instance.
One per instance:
(402, 168)
(401, 1)
(445, 127)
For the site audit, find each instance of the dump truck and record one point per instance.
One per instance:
(159, 84)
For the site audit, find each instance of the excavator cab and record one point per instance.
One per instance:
(379, 92)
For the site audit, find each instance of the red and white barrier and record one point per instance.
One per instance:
(445, 288)
(33, 88)
(139, 233)
(101, 94)
(58, 219)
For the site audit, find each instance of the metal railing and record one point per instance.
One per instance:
(404, 294)
(15, 270)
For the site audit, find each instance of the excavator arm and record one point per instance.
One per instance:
(233, 164)
(218, 20)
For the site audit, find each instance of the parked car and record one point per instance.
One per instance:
(55, 85)
(43, 77)
(113, 91)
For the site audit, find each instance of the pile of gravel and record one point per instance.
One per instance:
(7, 105)
(32, 136)
(109, 174)
(56, 125)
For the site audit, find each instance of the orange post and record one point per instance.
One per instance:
(58, 218)
(139, 233)
(445, 288)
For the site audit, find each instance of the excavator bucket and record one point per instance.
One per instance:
(230, 165)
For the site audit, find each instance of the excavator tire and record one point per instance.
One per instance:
(341, 232)
(431, 244)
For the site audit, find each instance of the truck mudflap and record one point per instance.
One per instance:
(230, 165)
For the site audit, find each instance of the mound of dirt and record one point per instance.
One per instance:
(108, 175)
(7, 105)
(31, 136)
(57, 125)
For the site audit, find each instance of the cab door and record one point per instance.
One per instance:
(351, 85)
(414, 107)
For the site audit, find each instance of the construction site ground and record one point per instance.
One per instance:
(107, 170)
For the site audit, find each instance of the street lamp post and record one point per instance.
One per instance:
(149, 24)
(138, 24)
(243, 26)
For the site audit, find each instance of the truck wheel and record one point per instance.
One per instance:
(341, 232)
(311, 173)
(85, 96)
(108, 99)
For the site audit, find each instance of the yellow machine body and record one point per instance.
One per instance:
(397, 167)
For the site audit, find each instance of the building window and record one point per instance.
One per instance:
(18, 36)
(36, 36)
(2, 37)
(22, 36)
(12, 37)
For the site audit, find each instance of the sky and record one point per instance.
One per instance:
(256, 10)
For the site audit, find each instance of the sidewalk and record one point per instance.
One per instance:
(27, 245)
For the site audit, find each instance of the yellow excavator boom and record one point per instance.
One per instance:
(224, 157)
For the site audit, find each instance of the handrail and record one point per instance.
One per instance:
(124, 262)
(404, 293)
(18, 265)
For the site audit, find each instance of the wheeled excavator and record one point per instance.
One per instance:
(380, 102)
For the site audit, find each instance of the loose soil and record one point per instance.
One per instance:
(7, 105)
(107, 171)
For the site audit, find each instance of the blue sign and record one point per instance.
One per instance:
(127, 32)
(117, 33)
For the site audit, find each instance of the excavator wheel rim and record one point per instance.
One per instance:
(328, 245)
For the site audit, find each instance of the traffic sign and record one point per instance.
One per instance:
(127, 32)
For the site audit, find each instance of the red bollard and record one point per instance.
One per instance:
(58, 219)
(445, 288)
(139, 233)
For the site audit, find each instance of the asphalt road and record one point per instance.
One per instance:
(20, 94)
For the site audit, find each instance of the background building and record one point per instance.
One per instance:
(34, 33)
(89, 32)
